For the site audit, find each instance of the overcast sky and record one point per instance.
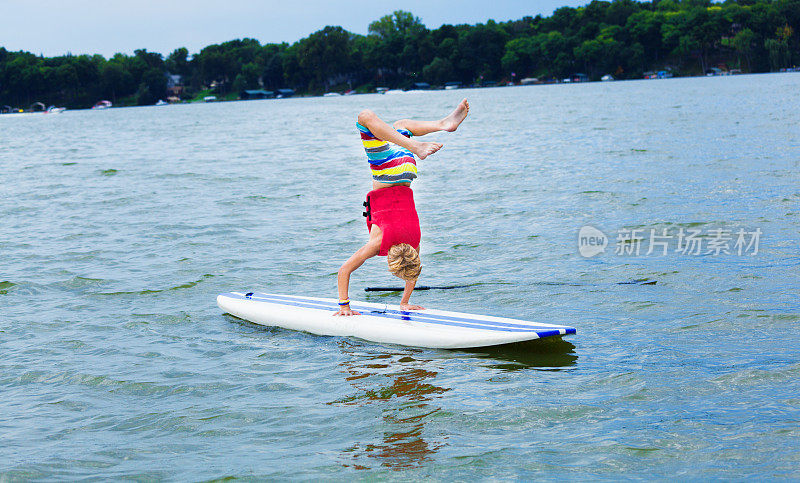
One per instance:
(56, 27)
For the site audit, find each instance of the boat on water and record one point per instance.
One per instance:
(11, 114)
(36, 108)
(331, 94)
(102, 105)
(162, 102)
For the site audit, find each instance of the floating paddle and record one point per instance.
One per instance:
(638, 281)
(421, 287)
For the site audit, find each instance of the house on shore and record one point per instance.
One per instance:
(174, 86)
(284, 93)
(251, 94)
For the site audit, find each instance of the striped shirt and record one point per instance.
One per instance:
(389, 162)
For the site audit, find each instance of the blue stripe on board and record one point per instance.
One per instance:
(369, 311)
(424, 315)
(403, 315)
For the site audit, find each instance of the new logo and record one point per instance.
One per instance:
(591, 241)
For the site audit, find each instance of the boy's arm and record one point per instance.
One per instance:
(356, 260)
(404, 305)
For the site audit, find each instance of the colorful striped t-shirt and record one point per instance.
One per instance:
(389, 162)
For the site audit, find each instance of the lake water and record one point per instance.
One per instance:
(120, 227)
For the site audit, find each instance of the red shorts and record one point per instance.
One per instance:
(393, 210)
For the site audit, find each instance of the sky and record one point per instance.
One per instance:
(58, 27)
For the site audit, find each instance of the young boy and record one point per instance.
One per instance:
(392, 218)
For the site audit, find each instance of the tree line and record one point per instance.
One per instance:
(625, 38)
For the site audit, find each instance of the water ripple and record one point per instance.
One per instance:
(116, 363)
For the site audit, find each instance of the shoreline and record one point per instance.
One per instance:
(409, 91)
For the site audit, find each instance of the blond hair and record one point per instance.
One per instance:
(404, 261)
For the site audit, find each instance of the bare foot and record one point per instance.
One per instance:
(451, 122)
(423, 150)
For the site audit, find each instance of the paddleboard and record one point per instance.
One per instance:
(384, 323)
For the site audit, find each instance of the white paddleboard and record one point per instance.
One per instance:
(384, 323)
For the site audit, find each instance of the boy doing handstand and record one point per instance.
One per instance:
(392, 218)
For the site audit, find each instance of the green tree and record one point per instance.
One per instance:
(67, 82)
(272, 73)
(178, 62)
(742, 42)
(439, 71)
(624, 37)
(778, 53)
(590, 54)
(481, 50)
(324, 57)
(152, 88)
(645, 28)
(116, 81)
(554, 53)
(400, 23)
(153, 60)
(248, 77)
(398, 48)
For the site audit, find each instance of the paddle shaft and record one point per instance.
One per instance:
(643, 281)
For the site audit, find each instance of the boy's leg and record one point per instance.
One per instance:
(418, 128)
(449, 123)
(383, 131)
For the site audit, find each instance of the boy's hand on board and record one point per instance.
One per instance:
(346, 311)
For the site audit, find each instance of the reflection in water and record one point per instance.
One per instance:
(403, 385)
(549, 354)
